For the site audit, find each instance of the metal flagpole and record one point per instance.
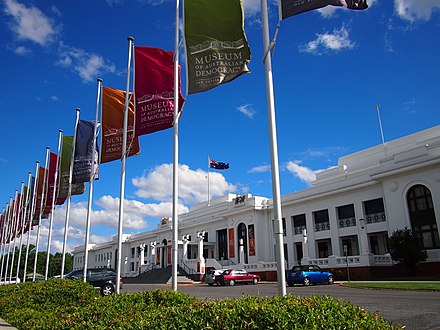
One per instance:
(273, 154)
(17, 212)
(209, 193)
(5, 233)
(377, 106)
(11, 207)
(23, 221)
(66, 222)
(92, 179)
(31, 217)
(52, 204)
(43, 194)
(175, 244)
(123, 158)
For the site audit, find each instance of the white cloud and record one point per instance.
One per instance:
(336, 41)
(21, 50)
(30, 23)
(247, 110)
(260, 169)
(305, 174)
(88, 66)
(54, 98)
(251, 8)
(412, 11)
(193, 184)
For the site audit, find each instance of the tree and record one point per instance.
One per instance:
(406, 248)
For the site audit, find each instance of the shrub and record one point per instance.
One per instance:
(63, 304)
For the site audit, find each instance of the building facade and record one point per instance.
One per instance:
(341, 223)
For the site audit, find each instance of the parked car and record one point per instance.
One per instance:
(309, 274)
(103, 279)
(232, 276)
(211, 276)
(10, 280)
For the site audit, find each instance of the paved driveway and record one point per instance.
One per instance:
(414, 309)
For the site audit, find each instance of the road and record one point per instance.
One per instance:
(413, 309)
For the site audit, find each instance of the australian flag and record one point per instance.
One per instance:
(218, 165)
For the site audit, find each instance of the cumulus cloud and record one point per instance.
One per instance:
(21, 50)
(260, 169)
(30, 23)
(251, 8)
(193, 184)
(336, 41)
(247, 110)
(305, 174)
(89, 66)
(412, 11)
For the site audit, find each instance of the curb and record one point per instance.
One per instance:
(6, 326)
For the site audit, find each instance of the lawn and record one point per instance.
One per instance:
(396, 285)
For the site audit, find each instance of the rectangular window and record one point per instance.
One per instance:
(374, 206)
(320, 216)
(345, 212)
(133, 251)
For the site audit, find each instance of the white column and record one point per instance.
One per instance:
(185, 240)
(305, 247)
(142, 254)
(201, 259)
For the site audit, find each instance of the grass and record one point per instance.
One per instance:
(396, 285)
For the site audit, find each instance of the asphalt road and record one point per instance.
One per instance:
(413, 309)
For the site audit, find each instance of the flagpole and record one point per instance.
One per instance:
(31, 217)
(175, 244)
(4, 233)
(3, 237)
(377, 106)
(43, 193)
(11, 210)
(52, 204)
(16, 215)
(123, 158)
(209, 196)
(92, 180)
(14, 228)
(25, 205)
(273, 154)
(69, 195)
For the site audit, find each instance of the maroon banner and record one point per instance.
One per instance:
(53, 162)
(154, 90)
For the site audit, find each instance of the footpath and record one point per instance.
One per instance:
(6, 326)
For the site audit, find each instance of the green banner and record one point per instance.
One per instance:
(66, 156)
(217, 50)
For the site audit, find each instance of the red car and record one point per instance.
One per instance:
(232, 276)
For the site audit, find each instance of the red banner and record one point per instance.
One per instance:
(53, 162)
(231, 243)
(154, 90)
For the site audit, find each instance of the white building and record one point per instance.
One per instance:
(344, 218)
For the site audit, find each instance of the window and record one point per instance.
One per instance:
(374, 210)
(346, 216)
(422, 216)
(298, 223)
(133, 251)
(321, 220)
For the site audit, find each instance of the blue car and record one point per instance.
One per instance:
(307, 275)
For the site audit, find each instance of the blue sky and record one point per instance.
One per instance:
(330, 68)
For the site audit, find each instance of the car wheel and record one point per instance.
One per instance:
(290, 283)
(255, 281)
(231, 282)
(107, 289)
(307, 281)
(330, 280)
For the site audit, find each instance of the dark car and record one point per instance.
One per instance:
(309, 274)
(232, 276)
(103, 279)
(212, 276)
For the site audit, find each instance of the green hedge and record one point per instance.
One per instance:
(61, 304)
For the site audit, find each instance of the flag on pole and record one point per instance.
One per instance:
(63, 187)
(112, 121)
(154, 90)
(40, 183)
(82, 168)
(217, 50)
(53, 161)
(218, 165)
(295, 7)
